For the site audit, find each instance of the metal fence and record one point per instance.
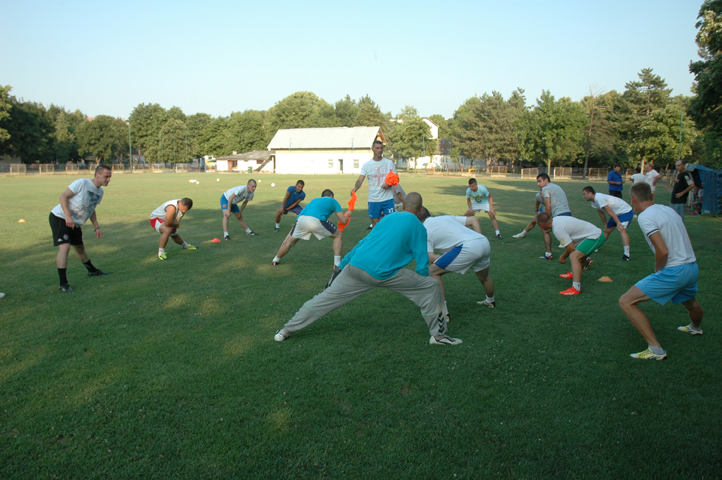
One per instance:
(566, 172)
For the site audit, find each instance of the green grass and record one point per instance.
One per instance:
(169, 369)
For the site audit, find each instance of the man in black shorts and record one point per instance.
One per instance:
(77, 205)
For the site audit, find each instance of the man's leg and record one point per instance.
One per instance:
(548, 242)
(241, 222)
(177, 239)
(436, 272)
(577, 260)
(225, 223)
(494, 222)
(62, 259)
(629, 302)
(474, 224)
(288, 242)
(81, 254)
(695, 311)
(486, 282)
(164, 235)
(425, 292)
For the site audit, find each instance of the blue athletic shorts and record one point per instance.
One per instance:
(297, 209)
(678, 284)
(224, 204)
(625, 218)
(376, 209)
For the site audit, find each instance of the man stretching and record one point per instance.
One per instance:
(166, 219)
(620, 215)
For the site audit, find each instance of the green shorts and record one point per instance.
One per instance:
(587, 246)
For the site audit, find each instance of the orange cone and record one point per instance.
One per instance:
(216, 240)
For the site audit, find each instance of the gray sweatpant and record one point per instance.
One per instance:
(425, 292)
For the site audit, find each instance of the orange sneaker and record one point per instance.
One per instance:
(571, 291)
(567, 275)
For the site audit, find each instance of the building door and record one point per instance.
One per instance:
(340, 164)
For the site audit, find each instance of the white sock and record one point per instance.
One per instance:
(490, 299)
(161, 251)
(496, 232)
(626, 250)
(225, 234)
(657, 350)
(336, 260)
(248, 230)
(548, 254)
(522, 234)
(186, 244)
(278, 225)
(276, 259)
(577, 285)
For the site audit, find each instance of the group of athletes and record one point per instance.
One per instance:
(403, 229)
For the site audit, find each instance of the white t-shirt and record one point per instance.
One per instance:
(160, 211)
(479, 197)
(445, 232)
(662, 219)
(570, 229)
(650, 176)
(618, 206)
(240, 194)
(557, 198)
(82, 204)
(375, 173)
(638, 177)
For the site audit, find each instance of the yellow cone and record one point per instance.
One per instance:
(605, 279)
(21, 220)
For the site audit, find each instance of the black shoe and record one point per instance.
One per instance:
(369, 227)
(227, 237)
(625, 258)
(276, 230)
(65, 288)
(252, 233)
(97, 273)
(499, 236)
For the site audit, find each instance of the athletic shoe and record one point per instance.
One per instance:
(588, 264)
(566, 275)
(444, 340)
(547, 257)
(97, 273)
(252, 233)
(227, 237)
(275, 263)
(2, 295)
(571, 291)
(648, 354)
(279, 337)
(163, 256)
(276, 230)
(191, 247)
(65, 288)
(499, 236)
(562, 246)
(625, 258)
(369, 227)
(519, 235)
(487, 303)
(691, 331)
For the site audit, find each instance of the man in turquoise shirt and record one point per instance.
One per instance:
(378, 261)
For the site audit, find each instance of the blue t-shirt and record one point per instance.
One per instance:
(294, 196)
(392, 244)
(614, 177)
(321, 208)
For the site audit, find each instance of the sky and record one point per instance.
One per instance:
(218, 57)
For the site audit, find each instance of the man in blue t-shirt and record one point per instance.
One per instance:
(291, 202)
(313, 220)
(378, 261)
(615, 181)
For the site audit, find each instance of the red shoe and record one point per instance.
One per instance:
(567, 275)
(571, 291)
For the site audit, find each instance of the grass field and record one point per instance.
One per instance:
(169, 369)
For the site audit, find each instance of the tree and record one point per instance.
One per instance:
(65, 143)
(146, 122)
(599, 134)
(299, 110)
(104, 137)
(195, 125)
(5, 106)
(174, 145)
(444, 129)
(706, 106)
(213, 137)
(245, 132)
(29, 132)
(346, 111)
(411, 137)
(369, 114)
(552, 130)
(660, 135)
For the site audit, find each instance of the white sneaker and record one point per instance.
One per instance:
(444, 340)
(279, 336)
(520, 235)
(690, 330)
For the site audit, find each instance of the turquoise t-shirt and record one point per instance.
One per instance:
(480, 196)
(321, 208)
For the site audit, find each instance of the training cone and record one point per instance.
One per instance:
(605, 279)
(216, 240)
(22, 220)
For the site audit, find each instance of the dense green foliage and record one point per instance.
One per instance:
(169, 369)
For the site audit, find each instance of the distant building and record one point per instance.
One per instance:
(322, 150)
(255, 161)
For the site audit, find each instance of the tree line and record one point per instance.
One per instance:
(643, 123)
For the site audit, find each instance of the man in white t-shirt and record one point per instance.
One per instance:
(77, 206)
(675, 271)
(651, 177)
(579, 238)
(381, 197)
(458, 250)
(638, 176)
(620, 215)
(166, 219)
(229, 204)
(479, 199)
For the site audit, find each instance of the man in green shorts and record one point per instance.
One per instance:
(580, 239)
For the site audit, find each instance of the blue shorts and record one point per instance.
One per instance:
(678, 284)
(297, 209)
(625, 218)
(564, 214)
(224, 204)
(376, 209)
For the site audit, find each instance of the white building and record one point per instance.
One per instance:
(322, 150)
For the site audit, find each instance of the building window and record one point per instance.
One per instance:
(355, 163)
(330, 164)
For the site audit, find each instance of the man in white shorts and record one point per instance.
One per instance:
(580, 239)
(77, 206)
(229, 204)
(313, 220)
(675, 271)
(651, 177)
(478, 198)
(620, 215)
(381, 197)
(459, 249)
(166, 219)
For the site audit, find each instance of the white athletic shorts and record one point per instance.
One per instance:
(475, 254)
(306, 226)
(477, 207)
